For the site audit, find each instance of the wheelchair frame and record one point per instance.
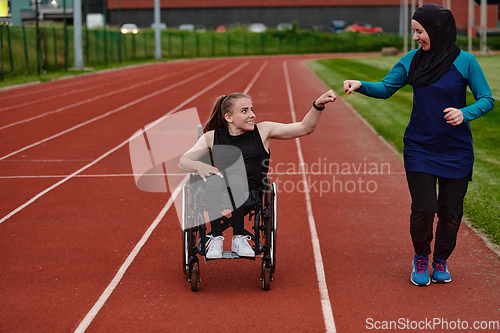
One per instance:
(264, 214)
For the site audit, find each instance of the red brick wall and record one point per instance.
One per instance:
(460, 10)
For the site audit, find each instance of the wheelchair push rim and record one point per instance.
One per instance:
(269, 233)
(185, 254)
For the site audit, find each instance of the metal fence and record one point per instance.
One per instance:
(106, 47)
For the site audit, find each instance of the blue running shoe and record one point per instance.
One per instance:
(420, 273)
(440, 273)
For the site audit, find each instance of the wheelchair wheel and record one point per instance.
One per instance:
(191, 231)
(195, 279)
(266, 277)
(185, 243)
(269, 232)
(184, 251)
(274, 230)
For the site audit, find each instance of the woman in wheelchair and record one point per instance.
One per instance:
(232, 123)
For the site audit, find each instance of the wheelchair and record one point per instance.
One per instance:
(261, 212)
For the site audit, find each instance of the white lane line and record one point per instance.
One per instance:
(111, 175)
(92, 99)
(178, 174)
(45, 160)
(62, 181)
(320, 270)
(256, 76)
(23, 90)
(123, 107)
(82, 327)
(123, 269)
(370, 127)
(39, 195)
(54, 96)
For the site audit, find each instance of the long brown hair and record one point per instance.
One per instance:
(223, 105)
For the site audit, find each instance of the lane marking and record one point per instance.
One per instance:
(24, 90)
(178, 174)
(123, 269)
(49, 161)
(121, 272)
(53, 96)
(256, 76)
(47, 190)
(370, 127)
(62, 181)
(320, 270)
(92, 99)
(123, 107)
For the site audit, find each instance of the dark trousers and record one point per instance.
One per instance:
(217, 196)
(425, 203)
(237, 221)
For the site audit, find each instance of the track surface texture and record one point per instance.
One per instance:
(80, 251)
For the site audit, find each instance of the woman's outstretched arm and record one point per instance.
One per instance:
(272, 130)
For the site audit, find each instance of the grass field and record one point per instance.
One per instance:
(390, 117)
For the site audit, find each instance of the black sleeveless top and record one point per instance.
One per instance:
(255, 156)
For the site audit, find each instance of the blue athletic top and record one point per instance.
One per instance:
(431, 145)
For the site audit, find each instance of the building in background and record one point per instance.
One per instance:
(23, 11)
(310, 14)
(4, 9)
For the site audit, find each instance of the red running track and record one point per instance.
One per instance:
(76, 254)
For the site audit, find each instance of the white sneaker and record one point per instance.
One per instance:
(241, 247)
(214, 247)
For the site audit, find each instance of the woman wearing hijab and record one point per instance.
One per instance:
(437, 141)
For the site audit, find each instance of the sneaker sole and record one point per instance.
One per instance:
(441, 281)
(419, 284)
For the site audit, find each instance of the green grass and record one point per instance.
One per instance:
(390, 118)
(491, 68)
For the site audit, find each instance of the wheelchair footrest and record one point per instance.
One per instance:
(233, 255)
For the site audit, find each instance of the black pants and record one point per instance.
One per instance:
(448, 205)
(217, 196)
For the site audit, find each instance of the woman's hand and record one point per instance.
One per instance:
(272, 130)
(326, 98)
(453, 116)
(351, 85)
(205, 170)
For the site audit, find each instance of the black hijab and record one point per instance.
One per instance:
(428, 66)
